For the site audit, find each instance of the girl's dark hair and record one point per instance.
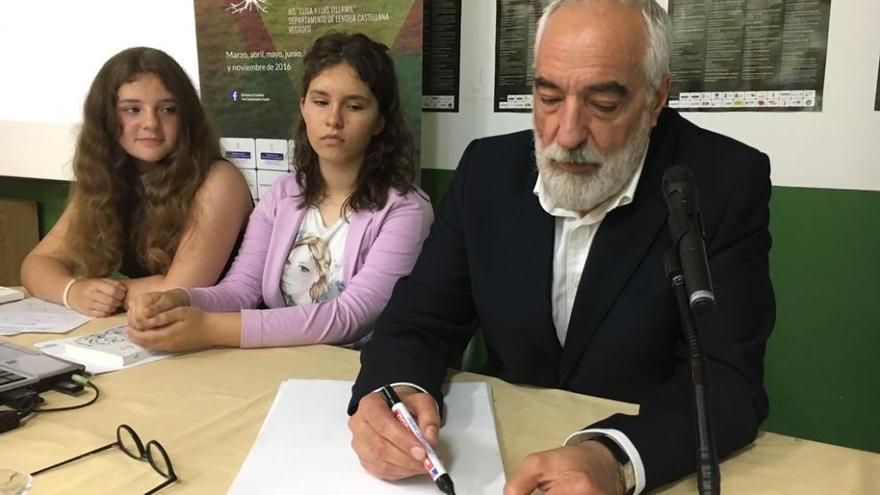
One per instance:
(389, 160)
(113, 206)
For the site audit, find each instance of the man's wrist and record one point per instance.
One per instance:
(625, 469)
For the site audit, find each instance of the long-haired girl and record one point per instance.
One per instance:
(152, 199)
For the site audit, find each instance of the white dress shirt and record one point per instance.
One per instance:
(572, 241)
(573, 238)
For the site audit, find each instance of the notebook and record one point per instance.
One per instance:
(28, 367)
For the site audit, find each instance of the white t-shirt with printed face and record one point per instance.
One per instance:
(313, 270)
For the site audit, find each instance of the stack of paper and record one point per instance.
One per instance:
(304, 445)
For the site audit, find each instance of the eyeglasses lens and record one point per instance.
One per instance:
(130, 443)
(159, 459)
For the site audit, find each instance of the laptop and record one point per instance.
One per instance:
(29, 367)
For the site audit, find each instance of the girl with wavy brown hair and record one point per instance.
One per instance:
(353, 192)
(152, 198)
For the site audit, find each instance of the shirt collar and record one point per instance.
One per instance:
(622, 198)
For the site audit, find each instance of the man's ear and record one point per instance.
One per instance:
(660, 98)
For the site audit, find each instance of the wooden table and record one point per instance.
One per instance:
(207, 407)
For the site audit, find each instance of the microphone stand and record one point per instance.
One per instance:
(708, 473)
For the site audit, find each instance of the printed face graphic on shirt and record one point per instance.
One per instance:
(308, 272)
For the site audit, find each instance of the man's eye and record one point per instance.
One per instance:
(604, 107)
(550, 100)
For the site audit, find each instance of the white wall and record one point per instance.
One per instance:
(51, 50)
(49, 60)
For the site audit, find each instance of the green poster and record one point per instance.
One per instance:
(250, 62)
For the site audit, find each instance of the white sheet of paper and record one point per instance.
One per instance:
(34, 315)
(304, 445)
(56, 348)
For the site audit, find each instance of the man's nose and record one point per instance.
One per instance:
(573, 124)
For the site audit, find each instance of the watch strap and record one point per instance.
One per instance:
(624, 464)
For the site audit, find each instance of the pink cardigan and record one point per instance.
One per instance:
(381, 246)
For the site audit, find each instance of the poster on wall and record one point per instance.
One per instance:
(514, 53)
(441, 55)
(250, 64)
(752, 55)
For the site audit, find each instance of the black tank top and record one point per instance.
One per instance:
(131, 266)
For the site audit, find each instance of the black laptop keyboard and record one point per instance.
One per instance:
(7, 377)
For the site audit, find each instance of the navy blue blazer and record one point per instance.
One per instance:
(488, 263)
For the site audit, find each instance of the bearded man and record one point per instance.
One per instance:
(562, 270)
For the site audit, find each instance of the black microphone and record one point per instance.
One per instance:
(686, 227)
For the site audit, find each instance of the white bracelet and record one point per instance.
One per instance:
(67, 291)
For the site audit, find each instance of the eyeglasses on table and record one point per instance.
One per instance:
(129, 442)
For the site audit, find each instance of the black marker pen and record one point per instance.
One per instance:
(432, 463)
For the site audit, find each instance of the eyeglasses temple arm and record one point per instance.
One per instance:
(53, 466)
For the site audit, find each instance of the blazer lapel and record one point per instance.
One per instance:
(623, 238)
(534, 251)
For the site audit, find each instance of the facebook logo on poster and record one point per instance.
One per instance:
(234, 95)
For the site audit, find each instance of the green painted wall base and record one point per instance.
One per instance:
(823, 360)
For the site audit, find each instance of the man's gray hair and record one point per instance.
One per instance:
(658, 53)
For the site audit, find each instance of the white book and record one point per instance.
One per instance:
(111, 347)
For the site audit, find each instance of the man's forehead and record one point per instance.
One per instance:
(602, 38)
(596, 23)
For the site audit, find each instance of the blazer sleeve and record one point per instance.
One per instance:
(242, 285)
(431, 316)
(734, 339)
(348, 317)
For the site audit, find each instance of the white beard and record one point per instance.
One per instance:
(606, 177)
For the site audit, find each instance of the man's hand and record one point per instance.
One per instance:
(144, 309)
(588, 468)
(98, 297)
(386, 448)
